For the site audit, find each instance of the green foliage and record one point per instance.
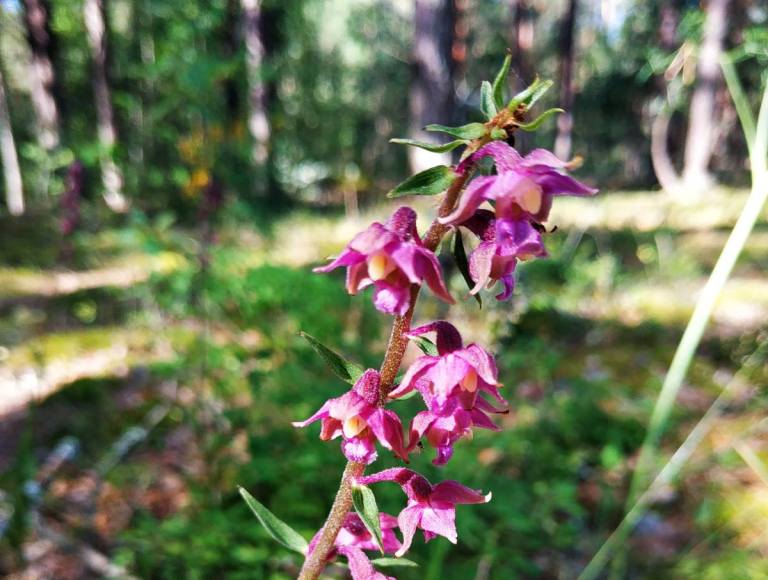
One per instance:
(499, 81)
(431, 147)
(342, 368)
(468, 131)
(278, 529)
(462, 263)
(538, 121)
(487, 105)
(365, 505)
(429, 182)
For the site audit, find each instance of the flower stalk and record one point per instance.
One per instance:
(393, 358)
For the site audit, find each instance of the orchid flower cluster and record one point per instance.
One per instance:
(458, 383)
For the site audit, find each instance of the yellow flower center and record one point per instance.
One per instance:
(530, 199)
(353, 426)
(380, 266)
(469, 382)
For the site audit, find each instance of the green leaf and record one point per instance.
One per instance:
(426, 345)
(500, 81)
(536, 123)
(470, 131)
(432, 147)
(404, 562)
(530, 95)
(498, 133)
(276, 527)
(365, 506)
(460, 255)
(487, 106)
(347, 371)
(429, 182)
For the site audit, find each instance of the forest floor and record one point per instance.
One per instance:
(150, 367)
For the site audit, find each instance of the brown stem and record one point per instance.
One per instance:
(393, 358)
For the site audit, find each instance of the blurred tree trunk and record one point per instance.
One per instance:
(43, 76)
(567, 56)
(662, 164)
(255, 52)
(230, 37)
(521, 42)
(431, 98)
(111, 176)
(699, 142)
(14, 194)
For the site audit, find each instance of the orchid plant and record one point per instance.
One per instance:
(459, 384)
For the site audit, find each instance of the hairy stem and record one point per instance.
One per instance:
(393, 358)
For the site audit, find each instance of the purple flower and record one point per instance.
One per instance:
(431, 508)
(450, 384)
(390, 257)
(358, 418)
(353, 534)
(453, 423)
(503, 243)
(360, 566)
(523, 187)
(463, 371)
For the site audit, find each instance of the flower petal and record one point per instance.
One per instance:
(360, 566)
(441, 521)
(388, 429)
(346, 258)
(412, 375)
(391, 298)
(360, 449)
(471, 199)
(321, 413)
(452, 492)
(408, 521)
(504, 156)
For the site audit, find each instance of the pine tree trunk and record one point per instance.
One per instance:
(521, 43)
(230, 39)
(111, 176)
(14, 194)
(699, 142)
(432, 98)
(255, 51)
(43, 76)
(567, 54)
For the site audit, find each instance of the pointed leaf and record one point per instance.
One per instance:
(429, 182)
(404, 562)
(426, 345)
(460, 255)
(347, 371)
(276, 527)
(487, 106)
(537, 122)
(498, 133)
(500, 81)
(469, 131)
(432, 147)
(530, 95)
(365, 506)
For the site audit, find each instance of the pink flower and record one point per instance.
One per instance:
(353, 534)
(503, 244)
(463, 371)
(358, 418)
(453, 423)
(523, 187)
(361, 567)
(431, 508)
(392, 258)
